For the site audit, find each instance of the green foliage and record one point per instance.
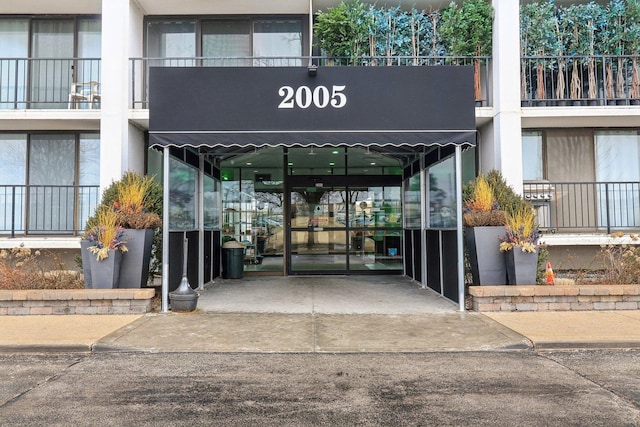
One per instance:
(583, 20)
(506, 197)
(543, 256)
(151, 214)
(538, 21)
(610, 37)
(466, 30)
(353, 30)
(343, 31)
(111, 195)
(632, 27)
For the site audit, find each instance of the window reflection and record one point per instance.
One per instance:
(182, 196)
(442, 194)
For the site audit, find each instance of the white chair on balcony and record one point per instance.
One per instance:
(87, 93)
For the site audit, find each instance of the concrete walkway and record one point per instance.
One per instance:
(320, 314)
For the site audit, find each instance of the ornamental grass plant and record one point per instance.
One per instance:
(137, 199)
(521, 232)
(481, 207)
(106, 235)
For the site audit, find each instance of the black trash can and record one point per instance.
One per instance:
(232, 260)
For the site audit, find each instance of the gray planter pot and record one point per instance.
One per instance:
(487, 262)
(86, 262)
(134, 270)
(521, 267)
(105, 274)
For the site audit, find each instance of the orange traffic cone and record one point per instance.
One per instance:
(549, 275)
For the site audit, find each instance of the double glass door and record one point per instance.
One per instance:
(337, 228)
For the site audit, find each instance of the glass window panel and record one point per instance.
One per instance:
(318, 250)
(532, 156)
(88, 176)
(442, 194)
(412, 202)
(182, 196)
(211, 203)
(13, 159)
(172, 40)
(52, 159)
(13, 166)
(89, 46)
(618, 162)
(225, 39)
(51, 78)
(51, 180)
(277, 38)
(14, 34)
(617, 156)
(89, 166)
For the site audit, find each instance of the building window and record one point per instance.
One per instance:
(226, 38)
(182, 196)
(233, 41)
(532, 156)
(618, 165)
(49, 183)
(441, 195)
(412, 202)
(171, 40)
(40, 59)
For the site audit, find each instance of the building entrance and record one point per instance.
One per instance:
(305, 219)
(349, 214)
(340, 225)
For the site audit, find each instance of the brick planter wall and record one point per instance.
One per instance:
(75, 301)
(555, 298)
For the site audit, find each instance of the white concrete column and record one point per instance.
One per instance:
(505, 152)
(121, 148)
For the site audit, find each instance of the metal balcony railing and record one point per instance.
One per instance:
(46, 209)
(49, 83)
(580, 80)
(139, 67)
(585, 207)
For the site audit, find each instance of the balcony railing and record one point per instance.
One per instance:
(585, 207)
(580, 80)
(139, 67)
(49, 83)
(46, 209)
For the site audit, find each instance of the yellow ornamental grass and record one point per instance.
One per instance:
(521, 231)
(107, 235)
(132, 193)
(483, 199)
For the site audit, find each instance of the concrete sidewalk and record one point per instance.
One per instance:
(321, 314)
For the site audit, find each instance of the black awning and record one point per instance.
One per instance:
(319, 139)
(365, 106)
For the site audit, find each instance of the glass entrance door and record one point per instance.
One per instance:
(318, 232)
(339, 228)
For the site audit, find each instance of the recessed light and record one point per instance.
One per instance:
(335, 152)
(249, 163)
(290, 163)
(372, 163)
(332, 164)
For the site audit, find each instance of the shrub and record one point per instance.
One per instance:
(24, 268)
(480, 205)
(621, 260)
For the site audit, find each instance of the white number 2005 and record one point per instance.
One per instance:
(320, 97)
